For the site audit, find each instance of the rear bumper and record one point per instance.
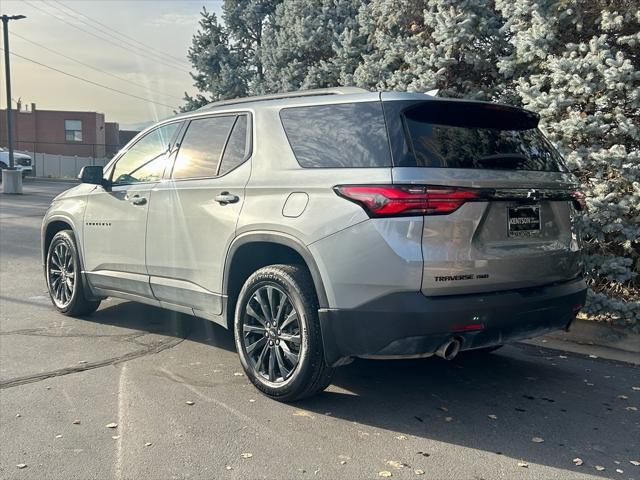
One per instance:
(409, 323)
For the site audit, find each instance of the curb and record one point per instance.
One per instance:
(594, 338)
(588, 332)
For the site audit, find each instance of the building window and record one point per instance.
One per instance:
(73, 130)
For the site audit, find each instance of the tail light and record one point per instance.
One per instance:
(470, 327)
(399, 200)
(579, 200)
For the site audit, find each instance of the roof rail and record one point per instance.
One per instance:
(298, 93)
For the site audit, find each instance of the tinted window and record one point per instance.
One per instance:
(201, 147)
(484, 148)
(344, 135)
(451, 134)
(146, 159)
(235, 150)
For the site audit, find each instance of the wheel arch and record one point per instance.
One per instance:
(253, 250)
(54, 225)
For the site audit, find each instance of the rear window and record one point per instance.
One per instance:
(236, 149)
(476, 136)
(347, 135)
(201, 147)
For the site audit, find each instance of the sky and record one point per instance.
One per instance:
(157, 70)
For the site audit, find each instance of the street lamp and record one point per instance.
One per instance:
(11, 182)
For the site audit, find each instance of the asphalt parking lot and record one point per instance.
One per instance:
(522, 412)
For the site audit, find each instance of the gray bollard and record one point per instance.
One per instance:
(12, 182)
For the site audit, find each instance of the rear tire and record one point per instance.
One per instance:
(64, 277)
(277, 333)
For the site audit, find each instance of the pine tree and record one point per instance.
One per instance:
(445, 44)
(225, 55)
(303, 44)
(218, 66)
(577, 64)
(244, 21)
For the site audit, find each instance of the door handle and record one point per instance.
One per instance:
(138, 200)
(225, 197)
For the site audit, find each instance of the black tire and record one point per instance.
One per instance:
(292, 299)
(69, 300)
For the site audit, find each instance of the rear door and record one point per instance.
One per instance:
(507, 216)
(193, 214)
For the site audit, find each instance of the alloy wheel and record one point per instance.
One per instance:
(271, 332)
(61, 274)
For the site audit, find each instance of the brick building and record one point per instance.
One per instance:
(126, 136)
(84, 134)
(111, 138)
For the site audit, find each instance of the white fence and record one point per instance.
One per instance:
(61, 166)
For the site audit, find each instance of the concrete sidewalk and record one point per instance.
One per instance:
(594, 338)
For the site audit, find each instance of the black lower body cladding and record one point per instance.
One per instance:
(409, 323)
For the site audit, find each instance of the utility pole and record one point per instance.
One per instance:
(7, 69)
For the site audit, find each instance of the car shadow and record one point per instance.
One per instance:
(496, 402)
(141, 317)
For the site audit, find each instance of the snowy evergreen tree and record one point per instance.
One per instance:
(244, 21)
(420, 45)
(578, 65)
(219, 68)
(225, 55)
(303, 45)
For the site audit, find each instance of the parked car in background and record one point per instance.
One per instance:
(21, 160)
(326, 225)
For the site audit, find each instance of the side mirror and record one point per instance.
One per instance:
(92, 174)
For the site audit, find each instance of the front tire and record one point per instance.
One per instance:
(63, 275)
(277, 333)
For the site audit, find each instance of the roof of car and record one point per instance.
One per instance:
(317, 92)
(316, 96)
(331, 95)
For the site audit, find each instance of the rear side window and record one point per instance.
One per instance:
(475, 136)
(347, 135)
(202, 146)
(236, 149)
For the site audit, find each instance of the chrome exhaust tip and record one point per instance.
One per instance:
(449, 349)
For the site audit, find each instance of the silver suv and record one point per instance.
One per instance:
(325, 225)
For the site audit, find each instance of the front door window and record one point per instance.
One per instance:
(146, 159)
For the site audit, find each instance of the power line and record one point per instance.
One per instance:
(173, 67)
(100, 37)
(113, 30)
(127, 46)
(90, 81)
(92, 67)
(106, 30)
